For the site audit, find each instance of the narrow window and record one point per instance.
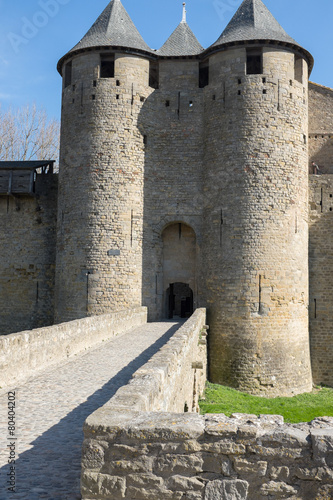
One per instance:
(167, 104)
(254, 62)
(299, 68)
(203, 74)
(68, 74)
(107, 66)
(154, 75)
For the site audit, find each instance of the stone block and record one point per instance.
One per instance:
(102, 485)
(92, 455)
(225, 447)
(226, 490)
(178, 464)
(243, 466)
(219, 425)
(322, 444)
(181, 483)
(286, 453)
(143, 480)
(280, 473)
(123, 467)
(152, 494)
(287, 437)
(247, 433)
(123, 452)
(212, 463)
(277, 490)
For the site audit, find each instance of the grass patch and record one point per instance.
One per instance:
(301, 408)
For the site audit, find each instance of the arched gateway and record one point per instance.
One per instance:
(179, 270)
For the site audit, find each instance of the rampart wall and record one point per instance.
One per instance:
(141, 445)
(321, 127)
(27, 242)
(321, 277)
(25, 353)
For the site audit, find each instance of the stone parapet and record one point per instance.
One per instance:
(171, 381)
(152, 455)
(25, 353)
(174, 378)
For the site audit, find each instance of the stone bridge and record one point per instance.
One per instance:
(57, 377)
(106, 408)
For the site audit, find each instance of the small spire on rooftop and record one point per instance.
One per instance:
(184, 13)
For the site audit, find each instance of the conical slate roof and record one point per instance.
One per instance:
(182, 42)
(113, 28)
(252, 22)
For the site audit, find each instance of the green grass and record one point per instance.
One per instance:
(302, 408)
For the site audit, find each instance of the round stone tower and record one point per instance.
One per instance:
(99, 251)
(256, 210)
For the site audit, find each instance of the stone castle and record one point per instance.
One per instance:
(185, 181)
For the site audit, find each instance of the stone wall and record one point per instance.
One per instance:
(321, 277)
(24, 354)
(168, 456)
(27, 242)
(321, 127)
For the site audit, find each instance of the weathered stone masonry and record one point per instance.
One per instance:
(184, 179)
(134, 455)
(27, 242)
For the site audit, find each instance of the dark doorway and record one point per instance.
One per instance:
(180, 300)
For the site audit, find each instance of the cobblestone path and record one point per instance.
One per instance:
(52, 407)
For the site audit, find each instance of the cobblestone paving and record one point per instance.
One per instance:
(52, 407)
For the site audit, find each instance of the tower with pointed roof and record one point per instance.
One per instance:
(183, 183)
(256, 214)
(99, 251)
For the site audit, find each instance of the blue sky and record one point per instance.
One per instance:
(34, 34)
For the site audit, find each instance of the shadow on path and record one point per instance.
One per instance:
(51, 469)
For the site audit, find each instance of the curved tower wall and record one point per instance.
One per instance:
(99, 253)
(256, 223)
